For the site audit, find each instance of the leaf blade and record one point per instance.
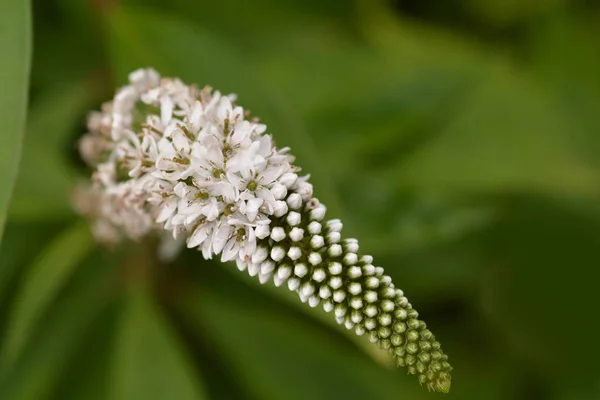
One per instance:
(148, 361)
(15, 44)
(79, 310)
(42, 282)
(258, 342)
(51, 118)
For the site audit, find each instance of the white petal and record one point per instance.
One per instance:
(235, 180)
(207, 249)
(168, 132)
(224, 108)
(241, 264)
(218, 244)
(166, 109)
(181, 142)
(224, 189)
(168, 208)
(250, 245)
(252, 207)
(198, 237)
(181, 189)
(241, 162)
(231, 250)
(211, 210)
(165, 149)
(241, 133)
(215, 155)
(196, 115)
(269, 199)
(271, 174)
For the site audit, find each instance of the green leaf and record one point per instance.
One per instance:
(250, 25)
(41, 283)
(88, 374)
(149, 361)
(575, 390)
(506, 134)
(15, 250)
(66, 325)
(516, 142)
(66, 52)
(276, 355)
(51, 121)
(541, 271)
(15, 47)
(507, 13)
(291, 300)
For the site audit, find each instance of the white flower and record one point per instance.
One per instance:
(194, 168)
(208, 173)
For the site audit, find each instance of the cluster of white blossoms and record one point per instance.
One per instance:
(168, 157)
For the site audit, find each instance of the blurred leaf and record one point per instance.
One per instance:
(565, 57)
(492, 381)
(47, 168)
(41, 283)
(434, 272)
(541, 271)
(176, 48)
(502, 13)
(68, 44)
(402, 222)
(65, 326)
(257, 25)
(149, 361)
(515, 141)
(278, 356)
(406, 45)
(15, 42)
(513, 130)
(575, 391)
(87, 375)
(412, 111)
(15, 255)
(321, 70)
(291, 299)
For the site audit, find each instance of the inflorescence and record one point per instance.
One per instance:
(168, 157)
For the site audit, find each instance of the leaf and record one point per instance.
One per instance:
(541, 274)
(51, 121)
(15, 47)
(249, 24)
(66, 324)
(15, 252)
(507, 13)
(507, 133)
(562, 42)
(149, 362)
(562, 390)
(516, 142)
(276, 355)
(41, 283)
(88, 373)
(67, 51)
(291, 300)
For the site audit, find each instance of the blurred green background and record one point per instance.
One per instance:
(459, 140)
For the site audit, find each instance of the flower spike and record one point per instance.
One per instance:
(170, 158)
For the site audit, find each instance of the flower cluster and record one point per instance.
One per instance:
(170, 157)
